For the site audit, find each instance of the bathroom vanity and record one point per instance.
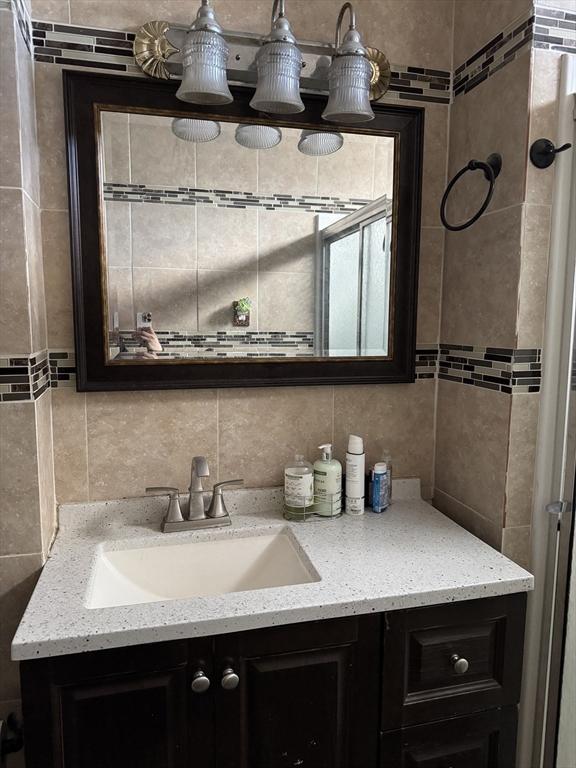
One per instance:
(402, 647)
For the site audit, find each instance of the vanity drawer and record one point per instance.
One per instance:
(452, 659)
(484, 740)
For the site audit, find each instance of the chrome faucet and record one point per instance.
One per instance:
(197, 516)
(199, 470)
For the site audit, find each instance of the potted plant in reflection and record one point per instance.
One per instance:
(242, 309)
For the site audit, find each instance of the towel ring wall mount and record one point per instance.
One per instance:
(491, 167)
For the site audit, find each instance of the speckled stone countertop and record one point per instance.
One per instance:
(412, 555)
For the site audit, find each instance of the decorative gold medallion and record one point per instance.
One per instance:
(380, 80)
(152, 48)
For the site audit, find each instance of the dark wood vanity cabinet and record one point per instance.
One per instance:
(375, 691)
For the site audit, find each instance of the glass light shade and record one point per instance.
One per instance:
(318, 143)
(258, 136)
(197, 131)
(349, 85)
(278, 91)
(204, 58)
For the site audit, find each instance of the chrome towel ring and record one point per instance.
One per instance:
(491, 168)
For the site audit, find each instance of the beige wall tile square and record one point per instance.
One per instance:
(532, 290)
(170, 294)
(348, 173)
(163, 235)
(10, 169)
(128, 14)
(115, 147)
(430, 285)
(70, 445)
(140, 439)
(44, 440)
(434, 164)
(286, 241)
(121, 296)
(476, 22)
(484, 529)
(217, 290)
(285, 301)
(284, 170)
(14, 296)
(51, 136)
(472, 447)
(545, 82)
(480, 285)
(57, 278)
(20, 518)
(33, 234)
(18, 576)
(51, 10)
(227, 238)
(298, 419)
(159, 157)
(476, 130)
(521, 460)
(516, 545)
(395, 419)
(224, 164)
(118, 231)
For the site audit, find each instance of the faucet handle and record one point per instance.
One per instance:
(217, 507)
(174, 514)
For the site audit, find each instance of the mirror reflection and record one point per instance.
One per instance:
(224, 240)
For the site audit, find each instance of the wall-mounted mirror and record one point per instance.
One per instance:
(228, 249)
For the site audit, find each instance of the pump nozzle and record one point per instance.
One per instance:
(326, 451)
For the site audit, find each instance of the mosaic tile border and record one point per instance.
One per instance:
(227, 338)
(24, 377)
(555, 29)
(140, 193)
(512, 371)
(501, 50)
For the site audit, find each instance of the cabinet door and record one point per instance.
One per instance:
(307, 696)
(125, 708)
(485, 740)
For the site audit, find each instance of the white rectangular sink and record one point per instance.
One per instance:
(197, 569)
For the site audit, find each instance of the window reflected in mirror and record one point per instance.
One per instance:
(224, 240)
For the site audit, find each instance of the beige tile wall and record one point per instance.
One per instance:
(27, 498)
(494, 285)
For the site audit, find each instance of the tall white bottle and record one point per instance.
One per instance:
(355, 470)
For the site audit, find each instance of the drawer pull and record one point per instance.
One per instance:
(459, 665)
(229, 680)
(200, 683)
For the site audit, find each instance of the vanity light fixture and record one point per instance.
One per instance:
(258, 136)
(279, 63)
(349, 76)
(204, 59)
(318, 143)
(197, 131)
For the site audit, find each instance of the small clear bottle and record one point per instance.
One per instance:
(298, 488)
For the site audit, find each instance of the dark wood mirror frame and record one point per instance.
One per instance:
(83, 93)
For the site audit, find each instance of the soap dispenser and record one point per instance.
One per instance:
(298, 488)
(327, 484)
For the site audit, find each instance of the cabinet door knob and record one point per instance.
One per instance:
(230, 679)
(459, 665)
(200, 683)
